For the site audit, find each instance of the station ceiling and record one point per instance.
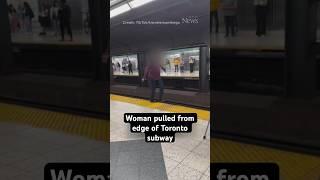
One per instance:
(114, 2)
(131, 38)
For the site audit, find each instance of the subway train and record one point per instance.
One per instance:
(181, 29)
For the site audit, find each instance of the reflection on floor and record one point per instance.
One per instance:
(121, 73)
(26, 150)
(274, 40)
(187, 158)
(34, 38)
(180, 74)
(30, 138)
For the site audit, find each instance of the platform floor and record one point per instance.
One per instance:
(34, 38)
(247, 40)
(30, 138)
(187, 158)
(117, 73)
(185, 74)
(293, 166)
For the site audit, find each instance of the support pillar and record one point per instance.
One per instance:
(101, 60)
(141, 65)
(99, 17)
(6, 58)
(203, 68)
(301, 62)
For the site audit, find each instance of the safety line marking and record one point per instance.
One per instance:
(92, 128)
(202, 114)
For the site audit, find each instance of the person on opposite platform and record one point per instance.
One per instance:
(152, 74)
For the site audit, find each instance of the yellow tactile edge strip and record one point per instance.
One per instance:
(68, 123)
(293, 166)
(202, 114)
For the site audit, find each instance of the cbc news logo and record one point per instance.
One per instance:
(244, 171)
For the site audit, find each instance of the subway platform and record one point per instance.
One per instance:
(31, 137)
(248, 40)
(79, 38)
(187, 158)
(293, 165)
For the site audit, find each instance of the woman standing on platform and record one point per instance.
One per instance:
(168, 65)
(130, 67)
(261, 16)
(54, 14)
(44, 19)
(20, 14)
(214, 15)
(176, 62)
(152, 74)
(28, 16)
(14, 22)
(191, 63)
(229, 8)
(65, 19)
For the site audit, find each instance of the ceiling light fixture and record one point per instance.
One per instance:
(119, 10)
(138, 3)
(127, 6)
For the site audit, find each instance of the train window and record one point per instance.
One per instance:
(49, 21)
(125, 65)
(248, 25)
(181, 63)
